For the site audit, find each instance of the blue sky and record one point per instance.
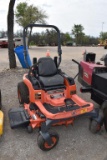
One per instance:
(91, 14)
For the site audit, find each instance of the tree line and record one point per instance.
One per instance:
(25, 14)
(49, 37)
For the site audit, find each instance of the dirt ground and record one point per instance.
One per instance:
(76, 142)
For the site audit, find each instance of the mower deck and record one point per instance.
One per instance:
(20, 117)
(68, 106)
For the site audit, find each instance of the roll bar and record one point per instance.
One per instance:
(42, 26)
(78, 67)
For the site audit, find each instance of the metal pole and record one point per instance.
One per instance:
(102, 29)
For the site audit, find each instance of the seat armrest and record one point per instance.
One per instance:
(35, 83)
(68, 78)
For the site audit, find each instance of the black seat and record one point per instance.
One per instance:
(48, 74)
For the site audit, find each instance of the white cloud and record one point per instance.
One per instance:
(66, 13)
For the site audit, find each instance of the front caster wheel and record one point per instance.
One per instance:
(43, 145)
(94, 126)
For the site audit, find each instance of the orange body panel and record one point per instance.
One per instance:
(45, 97)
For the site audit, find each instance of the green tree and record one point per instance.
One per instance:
(103, 35)
(89, 40)
(77, 31)
(65, 38)
(26, 14)
(51, 37)
(10, 27)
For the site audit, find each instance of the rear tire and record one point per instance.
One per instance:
(104, 109)
(43, 145)
(23, 93)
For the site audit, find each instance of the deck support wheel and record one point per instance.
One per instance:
(29, 129)
(94, 126)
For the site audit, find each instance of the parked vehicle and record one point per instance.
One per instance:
(103, 43)
(17, 42)
(93, 77)
(4, 42)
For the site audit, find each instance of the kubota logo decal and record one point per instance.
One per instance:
(86, 75)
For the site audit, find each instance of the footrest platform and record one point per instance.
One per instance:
(18, 117)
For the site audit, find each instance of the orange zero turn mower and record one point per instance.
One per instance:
(48, 97)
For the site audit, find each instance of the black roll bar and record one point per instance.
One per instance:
(43, 26)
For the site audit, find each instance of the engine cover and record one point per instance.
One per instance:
(86, 71)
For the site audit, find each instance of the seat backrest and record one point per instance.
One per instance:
(46, 67)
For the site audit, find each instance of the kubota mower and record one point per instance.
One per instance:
(93, 77)
(48, 96)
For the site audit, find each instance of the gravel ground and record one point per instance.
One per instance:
(76, 142)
